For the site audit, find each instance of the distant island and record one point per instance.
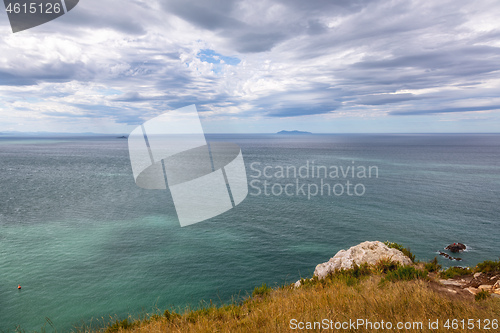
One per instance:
(293, 132)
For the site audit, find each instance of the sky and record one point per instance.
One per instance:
(324, 66)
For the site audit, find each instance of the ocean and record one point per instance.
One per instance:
(86, 244)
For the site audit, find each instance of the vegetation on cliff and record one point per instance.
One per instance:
(386, 291)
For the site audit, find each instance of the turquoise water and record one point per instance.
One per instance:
(86, 243)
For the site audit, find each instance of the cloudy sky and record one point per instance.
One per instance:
(257, 66)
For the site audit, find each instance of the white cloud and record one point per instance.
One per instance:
(120, 64)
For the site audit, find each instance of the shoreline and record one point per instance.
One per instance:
(383, 283)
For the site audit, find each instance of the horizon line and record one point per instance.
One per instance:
(7, 133)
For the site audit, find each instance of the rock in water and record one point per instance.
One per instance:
(366, 252)
(447, 256)
(456, 247)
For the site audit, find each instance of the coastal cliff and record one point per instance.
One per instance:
(369, 284)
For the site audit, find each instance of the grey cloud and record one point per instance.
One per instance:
(94, 109)
(437, 59)
(257, 42)
(32, 73)
(22, 108)
(173, 80)
(209, 15)
(8, 79)
(126, 114)
(322, 6)
(294, 103)
(221, 16)
(172, 55)
(445, 110)
(129, 97)
(315, 27)
(386, 99)
(202, 102)
(133, 119)
(101, 15)
(296, 111)
(381, 26)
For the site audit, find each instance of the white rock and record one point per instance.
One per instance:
(451, 282)
(477, 275)
(366, 252)
(485, 287)
(472, 290)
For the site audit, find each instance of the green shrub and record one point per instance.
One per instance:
(261, 291)
(488, 266)
(309, 282)
(170, 315)
(153, 317)
(194, 315)
(231, 311)
(386, 265)
(123, 324)
(406, 251)
(433, 265)
(350, 276)
(454, 271)
(482, 295)
(357, 271)
(404, 273)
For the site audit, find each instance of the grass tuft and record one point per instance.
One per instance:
(262, 291)
(488, 267)
(482, 295)
(433, 265)
(386, 265)
(404, 273)
(119, 325)
(170, 316)
(454, 271)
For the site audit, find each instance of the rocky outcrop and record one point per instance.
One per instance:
(366, 252)
(447, 256)
(456, 247)
(476, 283)
(485, 279)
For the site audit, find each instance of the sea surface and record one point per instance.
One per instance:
(86, 244)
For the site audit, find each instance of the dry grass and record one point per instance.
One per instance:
(339, 299)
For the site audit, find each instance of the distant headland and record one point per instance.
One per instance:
(293, 132)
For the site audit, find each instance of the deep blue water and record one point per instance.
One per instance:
(85, 242)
